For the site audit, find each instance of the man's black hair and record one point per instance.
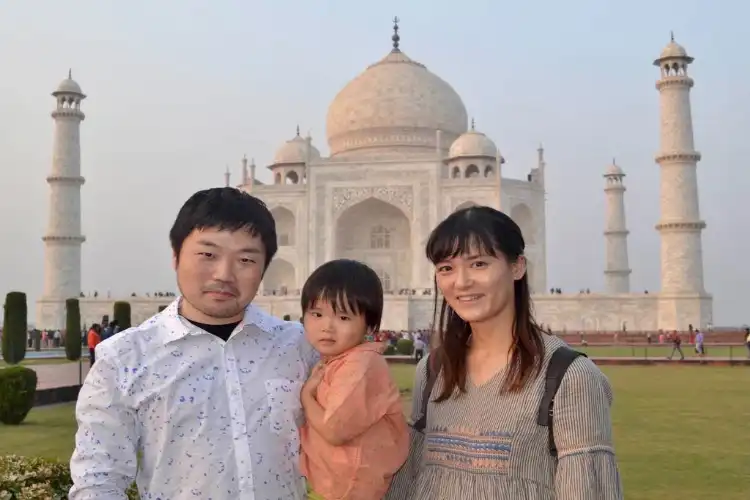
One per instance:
(227, 209)
(349, 286)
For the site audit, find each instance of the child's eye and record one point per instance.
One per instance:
(344, 318)
(316, 314)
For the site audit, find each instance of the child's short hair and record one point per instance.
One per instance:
(348, 285)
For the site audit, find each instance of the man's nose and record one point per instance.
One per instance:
(224, 270)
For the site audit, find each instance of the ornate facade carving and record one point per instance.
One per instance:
(400, 196)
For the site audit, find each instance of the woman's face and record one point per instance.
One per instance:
(477, 286)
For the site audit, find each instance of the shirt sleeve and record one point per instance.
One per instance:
(361, 393)
(587, 467)
(103, 464)
(310, 357)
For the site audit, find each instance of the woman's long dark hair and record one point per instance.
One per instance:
(490, 232)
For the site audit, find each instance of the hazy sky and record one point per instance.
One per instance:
(179, 89)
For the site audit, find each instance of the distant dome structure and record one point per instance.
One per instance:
(472, 144)
(672, 51)
(68, 86)
(294, 151)
(614, 169)
(395, 104)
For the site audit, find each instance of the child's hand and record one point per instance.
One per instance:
(311, 385)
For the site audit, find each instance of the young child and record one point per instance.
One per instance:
(355, 436)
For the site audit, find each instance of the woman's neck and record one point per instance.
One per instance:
(495, 334)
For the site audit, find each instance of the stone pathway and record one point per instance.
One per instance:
(59, 375)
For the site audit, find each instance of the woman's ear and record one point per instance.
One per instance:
(519, 267)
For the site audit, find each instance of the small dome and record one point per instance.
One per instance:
(472, 144)
(673, 50)
(68, 86)
(614, 170)
(294, 151)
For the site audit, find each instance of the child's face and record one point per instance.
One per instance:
(332, 333)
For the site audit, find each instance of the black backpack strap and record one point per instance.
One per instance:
(561, 360)
(433, 370)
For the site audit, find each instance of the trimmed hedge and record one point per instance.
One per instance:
(14, 328)
(17, 388)
(72, 329)
(389, 350)
(405, 347)
(121, 314)
(33, 478)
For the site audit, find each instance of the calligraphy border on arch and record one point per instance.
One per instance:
(399, 196)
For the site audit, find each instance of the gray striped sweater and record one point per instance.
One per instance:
(483, 445)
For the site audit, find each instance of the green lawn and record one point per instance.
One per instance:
(41, 361)
(681, 432)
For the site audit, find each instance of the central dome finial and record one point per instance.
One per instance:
(395, 36)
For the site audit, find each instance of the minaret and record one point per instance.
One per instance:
(244, 170)
(680, 225)
(227, 175)
(63, 239)
(617, 271)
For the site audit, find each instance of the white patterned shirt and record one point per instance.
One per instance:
(207, 419)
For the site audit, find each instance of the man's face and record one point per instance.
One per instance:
(218, 274)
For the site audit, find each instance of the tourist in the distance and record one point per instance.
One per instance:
(355, 435)
(482, 440)
(202, 400)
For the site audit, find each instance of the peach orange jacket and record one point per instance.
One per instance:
(363, 407)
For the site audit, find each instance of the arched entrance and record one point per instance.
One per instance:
(378, 234)
(522, 216)
(279, 278)
(285, 226)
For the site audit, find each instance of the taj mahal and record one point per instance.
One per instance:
(403, 153)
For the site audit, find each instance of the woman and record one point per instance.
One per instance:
(482, 440)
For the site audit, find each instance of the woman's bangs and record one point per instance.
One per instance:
(451, 240)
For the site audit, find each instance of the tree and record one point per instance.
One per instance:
(14, 328)
(121, 314)
(72, 329)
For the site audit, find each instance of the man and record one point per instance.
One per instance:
(206, 393)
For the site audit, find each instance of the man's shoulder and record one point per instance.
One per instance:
(272, 324)
(136, 341)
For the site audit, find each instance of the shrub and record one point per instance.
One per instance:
(389, 351)
(405, 346)
(14, 328)
(72, 329)
(121, 314)
(287, 317)
(33, 478)
(17, 389)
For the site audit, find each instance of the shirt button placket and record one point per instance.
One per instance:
(239, 425)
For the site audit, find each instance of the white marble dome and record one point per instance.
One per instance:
(473, 144)
(397, 104)
(294, 151)
(673, 50)
(68, 86)
(614, 169)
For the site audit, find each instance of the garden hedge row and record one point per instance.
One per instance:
(33, 478)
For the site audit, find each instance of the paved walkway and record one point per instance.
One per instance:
(59, 375)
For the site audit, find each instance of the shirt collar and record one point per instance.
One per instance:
(377, 347)
(177, 328)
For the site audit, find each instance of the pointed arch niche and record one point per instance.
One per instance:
(379, 234)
